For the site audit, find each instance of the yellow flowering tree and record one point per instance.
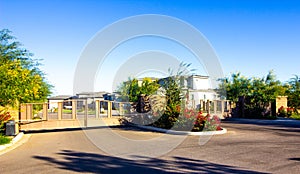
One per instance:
(20, 78)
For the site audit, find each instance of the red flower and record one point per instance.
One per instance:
(219, 128)
(280, 109)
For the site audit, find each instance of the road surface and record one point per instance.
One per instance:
(248, 147)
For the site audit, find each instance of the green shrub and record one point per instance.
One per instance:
(4, 140)
(295, 116)
(255, 112)
(173, 98)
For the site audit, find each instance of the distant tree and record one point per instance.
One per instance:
(234, 86)
(148, 86)
(21, 80)
(295, 82)
(294, 92)
(265, 90)
(130, 89)
(259, 92)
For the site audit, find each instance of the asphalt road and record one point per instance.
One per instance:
(248, 147)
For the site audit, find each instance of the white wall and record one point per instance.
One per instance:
(196, 96)
(199, 95)
(198, 82)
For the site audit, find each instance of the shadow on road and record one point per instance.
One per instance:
(295, 159)
(96, 163)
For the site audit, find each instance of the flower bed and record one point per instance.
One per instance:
(196, 121)
(190, 123)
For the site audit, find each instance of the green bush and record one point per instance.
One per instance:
(254, 112)
(4, 140)
(295, 116)
(171, 114)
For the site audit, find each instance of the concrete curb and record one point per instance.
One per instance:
(13, 141)
(173, 132)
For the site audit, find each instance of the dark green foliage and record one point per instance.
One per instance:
(258, 92)
(172, 92)
(294, 93)
(173, 98)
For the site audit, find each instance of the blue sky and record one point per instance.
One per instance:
(252, 36)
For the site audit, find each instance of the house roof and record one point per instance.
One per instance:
(199, 76)
(60, 97)
(92, 94)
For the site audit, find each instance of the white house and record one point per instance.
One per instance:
(199, 88)
(53, 101)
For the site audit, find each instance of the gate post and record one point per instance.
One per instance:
(203, 106)
(59, 110)
(215, 106)
(45, 111)
(222, 107)
(97, 107)
(74, 109)
(29, 111)
(109, 109)
(208, 107)
(85, 112)
(23, 112)
(121, 110)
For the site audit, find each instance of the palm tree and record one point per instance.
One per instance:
(295, 83)
(294, 92)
